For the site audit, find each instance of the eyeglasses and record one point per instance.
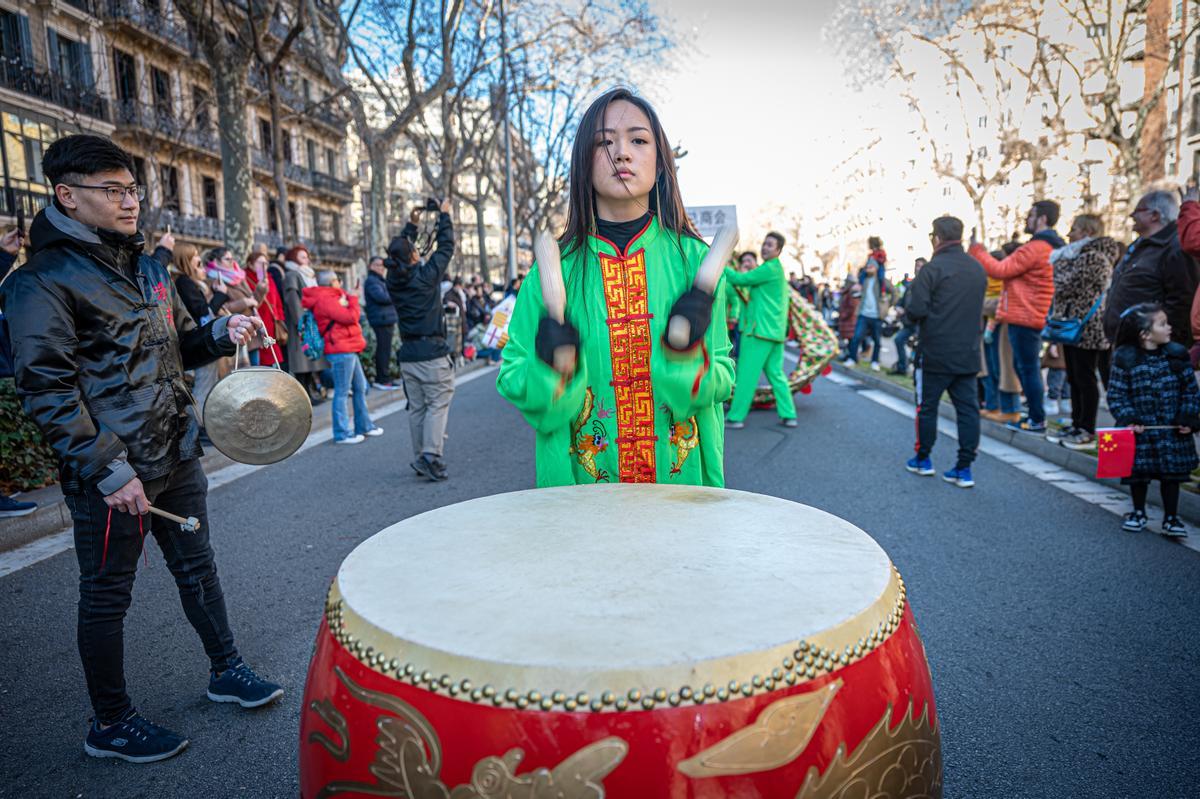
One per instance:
(116, 194)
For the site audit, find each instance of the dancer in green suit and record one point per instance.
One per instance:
(631, 408)
(763, 331)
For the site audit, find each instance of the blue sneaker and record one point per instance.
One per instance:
(921, 466)
(240, 684)
(1027, 425)
(10, 507)
(133, 739)
(960, 477)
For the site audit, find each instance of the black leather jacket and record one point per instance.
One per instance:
(416, 292)
(100, 342)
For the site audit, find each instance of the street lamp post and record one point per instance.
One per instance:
(508, 190)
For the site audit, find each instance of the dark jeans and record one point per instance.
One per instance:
(105, 592)
(964, 393)
(383, 353)
(866, 326)
(1027, 362)
(901, 344)
(1085, 392)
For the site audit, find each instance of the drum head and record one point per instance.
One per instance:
(258, 415)
(587, 586)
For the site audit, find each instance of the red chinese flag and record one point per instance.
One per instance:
(1114, 448)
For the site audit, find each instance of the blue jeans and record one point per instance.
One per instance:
(901, 343)
(864, 326)
(1027, 361)
(1056, 384)
(347, 373)
(993, 398)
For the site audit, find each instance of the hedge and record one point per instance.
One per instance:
(26, 460)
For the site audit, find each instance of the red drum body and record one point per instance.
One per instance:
(444, 707)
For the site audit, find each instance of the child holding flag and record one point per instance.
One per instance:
(1152, 391)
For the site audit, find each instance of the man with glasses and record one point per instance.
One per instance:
(1154, 269)
(100, 344)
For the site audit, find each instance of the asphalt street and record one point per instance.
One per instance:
(1063, 651)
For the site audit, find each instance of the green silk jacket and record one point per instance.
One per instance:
(766, 314)
(634, 411)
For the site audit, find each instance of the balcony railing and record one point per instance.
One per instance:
(271, 238)
(85, 6)
(333, 250)
(168, 125)
(331, 185)
(134, 13)
(46, 86)
(199, 227)
(30, 202)
(324, 112)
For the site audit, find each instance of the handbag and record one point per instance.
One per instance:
(1068, 331)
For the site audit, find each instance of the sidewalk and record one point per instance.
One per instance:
(53, 516)
(1081, 463)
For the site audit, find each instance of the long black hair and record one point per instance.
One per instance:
(665, 200)
(1136, 320)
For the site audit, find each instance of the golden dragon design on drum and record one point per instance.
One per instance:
(408, 761)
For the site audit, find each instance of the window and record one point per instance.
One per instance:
(125, 76)
(292, 218)
(70, 59)
(1196, 165)
(15, 41)
(1098, 30)
(316, 224)
(200, 108)
(264, 136)
(1195, 115)
(169, 184)
(307, 90)
(1196, 62)
(287, 145)
(330, 162)
(209, 190)
(139, 170)
(25, 139)
(272, 215)
(336, 218)
(160, 88)
(312, 154)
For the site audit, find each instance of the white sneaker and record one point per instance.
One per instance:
(848, 362)
(375, 431)
(874, 366)
(1052, 408)
(350, 440)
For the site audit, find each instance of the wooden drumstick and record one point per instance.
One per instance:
(189, 525)
(679, 329)
(554, 295)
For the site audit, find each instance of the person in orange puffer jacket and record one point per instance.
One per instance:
(1025, 301)
(337, 317)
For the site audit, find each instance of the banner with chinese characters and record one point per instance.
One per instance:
(708, 219)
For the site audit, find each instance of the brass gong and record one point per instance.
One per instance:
(258, 415)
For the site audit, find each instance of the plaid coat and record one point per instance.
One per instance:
(1156, 387)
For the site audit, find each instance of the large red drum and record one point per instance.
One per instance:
(621, 641)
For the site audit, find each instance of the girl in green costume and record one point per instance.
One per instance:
(633, 409)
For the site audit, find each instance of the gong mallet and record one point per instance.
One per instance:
(554, 296)
(189, 525)
(679, 329)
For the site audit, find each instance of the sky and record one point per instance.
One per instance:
(788, 112)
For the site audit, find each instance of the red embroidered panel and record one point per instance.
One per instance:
(629, 347)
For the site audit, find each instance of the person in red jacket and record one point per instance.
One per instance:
(1025, 301)
(336, 314)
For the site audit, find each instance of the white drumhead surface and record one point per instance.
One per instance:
(613, 577)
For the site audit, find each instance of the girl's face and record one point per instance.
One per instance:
(625, 159)
(195, 263)
(1159, 332)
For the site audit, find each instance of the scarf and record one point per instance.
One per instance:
(1071, 251)
(307, 275)
(230, 277)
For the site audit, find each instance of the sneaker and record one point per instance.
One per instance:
(1027, 425)
(429, 467)
(133, 739)
(351, 440)
(921, 466)
(240, 684)
(896, 371)
(960, 477)
(874, 366)
(1135, 522)
(849, 362)
(1056, 434)
(789, 423)
(730, 425)
(1051, 407)
(1079, 440)
(374, 432)
(10, 507)
(1172, 527)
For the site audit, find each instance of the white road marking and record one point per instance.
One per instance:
(49, 546)
(1077, 485)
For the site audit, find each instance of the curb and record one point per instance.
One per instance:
(53, 516)
(1078, 462)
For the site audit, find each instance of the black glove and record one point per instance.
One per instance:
(551, 335)
(695, 306)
